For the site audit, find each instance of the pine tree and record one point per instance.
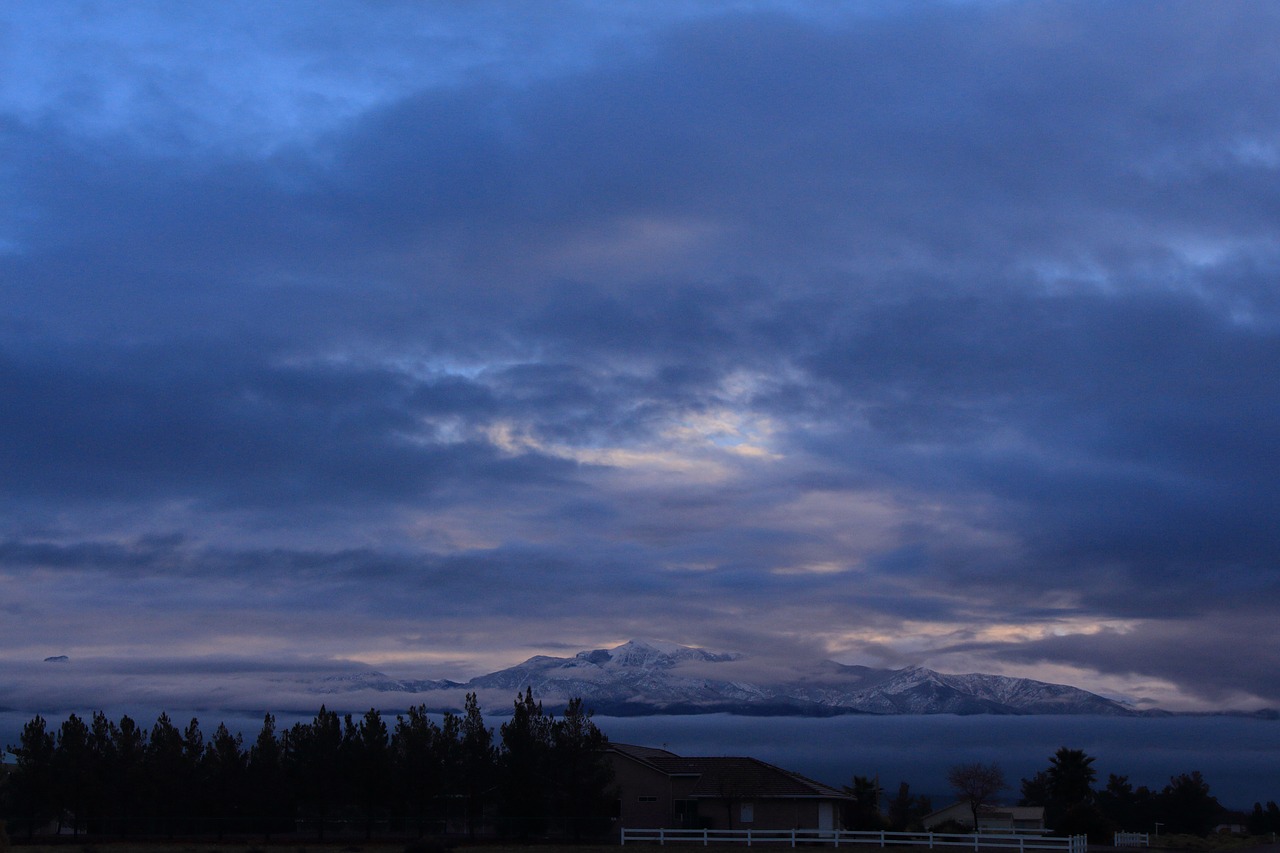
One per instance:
(907, 811)
(863, 810)
(103, 760)
(224, 771)
(268, 794)
(314, 758)
(583, 774)
(129, 781)
(370, 766)
(32, 782)
(525, 765)
(418, 766)
(166, 772)
(195, 786)
(476, 762)
(73, 769)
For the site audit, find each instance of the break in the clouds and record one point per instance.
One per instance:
(435, 336)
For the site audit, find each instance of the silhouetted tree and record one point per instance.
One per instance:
(1036, 791)
(269, 795)
(129, 786)
(453, 783)
(1264, 821)
(1069, 807)
(31, 784)
(417, 757)
(73, 770)
(583, 791)
(370, 767)
(976, 784)
(194, 804)
(476, 762)
(103, 761)
(106, 778)
(1186, 806)
(224, 771)
(525, 763)
(313, 757)
(862, 812)
(166, 771)
(907, 811)
(1123, 806)
(1071, 777)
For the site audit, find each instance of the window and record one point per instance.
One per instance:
(647, 799)
(747, 813)
(686, 814)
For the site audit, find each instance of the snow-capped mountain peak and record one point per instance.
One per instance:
(648, 654)
(644, 676)
(649, 677)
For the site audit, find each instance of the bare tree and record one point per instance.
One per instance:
(976, 784)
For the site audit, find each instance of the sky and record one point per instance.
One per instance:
(433, 336)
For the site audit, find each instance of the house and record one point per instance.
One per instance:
(659, 789)
(1025, 819)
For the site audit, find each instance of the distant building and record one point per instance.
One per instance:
(659, 789)
(990, 818)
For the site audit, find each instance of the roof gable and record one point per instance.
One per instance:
(731, 776)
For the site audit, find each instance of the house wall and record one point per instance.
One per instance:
(997, 817)
(766, 813)
(959, 812)
(646, 800)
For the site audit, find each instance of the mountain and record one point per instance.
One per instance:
(645, 677)
(642, 677)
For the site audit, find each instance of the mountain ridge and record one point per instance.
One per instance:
(645, 678)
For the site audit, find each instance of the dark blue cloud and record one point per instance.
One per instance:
(909, 328)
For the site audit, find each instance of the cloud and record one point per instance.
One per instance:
(892, 334)
(1213, 658)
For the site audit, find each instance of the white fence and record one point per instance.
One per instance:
(982, 841)
(1132, 839)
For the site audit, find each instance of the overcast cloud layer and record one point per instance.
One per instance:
(436, 336)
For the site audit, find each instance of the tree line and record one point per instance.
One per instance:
(540, 775)
(1074, 804)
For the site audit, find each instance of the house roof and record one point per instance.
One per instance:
(718, 777)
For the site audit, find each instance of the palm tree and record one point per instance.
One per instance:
(1071, 777)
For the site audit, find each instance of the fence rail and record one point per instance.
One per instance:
(1132, 839)
(982, 841)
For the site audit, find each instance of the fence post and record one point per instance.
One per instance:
(704, 837)
(662, 837)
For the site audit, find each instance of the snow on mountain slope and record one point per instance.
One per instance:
(644, 677)
(647, 677)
